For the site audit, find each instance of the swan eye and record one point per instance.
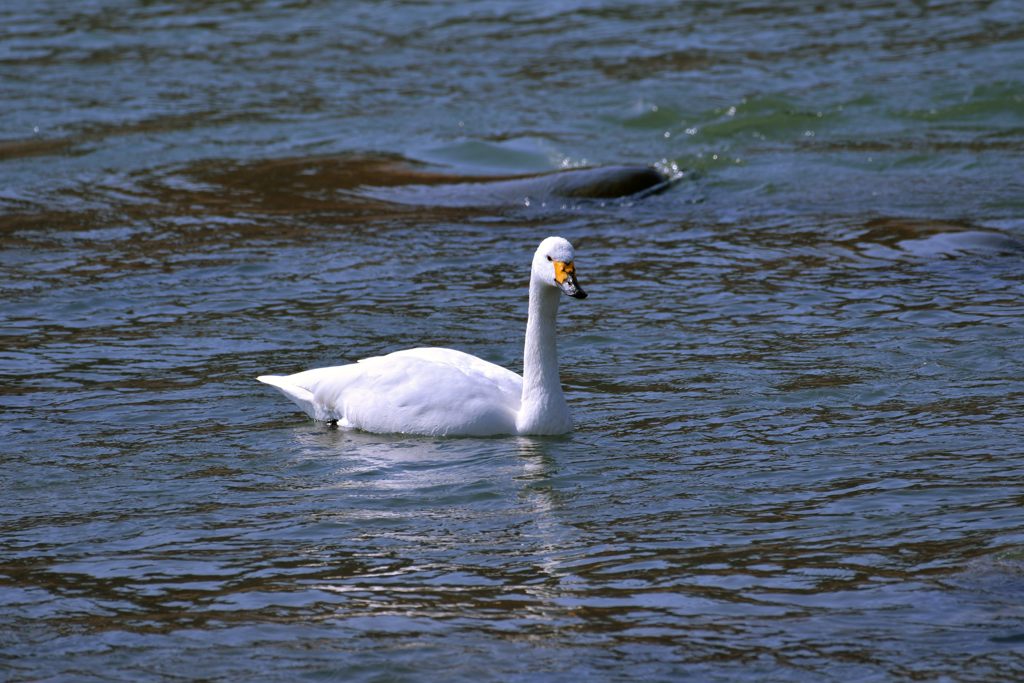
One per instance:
(550, 259)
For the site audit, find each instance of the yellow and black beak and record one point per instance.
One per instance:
(565, 276)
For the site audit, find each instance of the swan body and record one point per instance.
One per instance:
(444, 392)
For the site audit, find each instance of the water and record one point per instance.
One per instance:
(797, 379)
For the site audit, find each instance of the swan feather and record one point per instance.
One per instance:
(432, 391)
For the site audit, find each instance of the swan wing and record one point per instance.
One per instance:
(418, 391)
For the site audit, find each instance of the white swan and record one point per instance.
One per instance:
(445, 392)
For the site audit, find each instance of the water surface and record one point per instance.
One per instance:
(797, 378)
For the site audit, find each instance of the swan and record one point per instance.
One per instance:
(444, 392)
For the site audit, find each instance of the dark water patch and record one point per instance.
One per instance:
(934, 239)
(335, 182)
(14, 149)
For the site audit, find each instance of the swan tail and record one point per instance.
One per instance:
(303, 398)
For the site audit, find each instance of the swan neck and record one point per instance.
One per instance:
(543, 409)
(540, 355)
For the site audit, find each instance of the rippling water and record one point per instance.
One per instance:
(797, 380)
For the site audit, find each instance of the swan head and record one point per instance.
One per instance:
(554, 264)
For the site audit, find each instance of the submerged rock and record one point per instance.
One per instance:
(600, 183)
(893, 237)
(325, 182)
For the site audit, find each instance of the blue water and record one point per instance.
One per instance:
(796, 381)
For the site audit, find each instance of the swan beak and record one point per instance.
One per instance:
(565, 276)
